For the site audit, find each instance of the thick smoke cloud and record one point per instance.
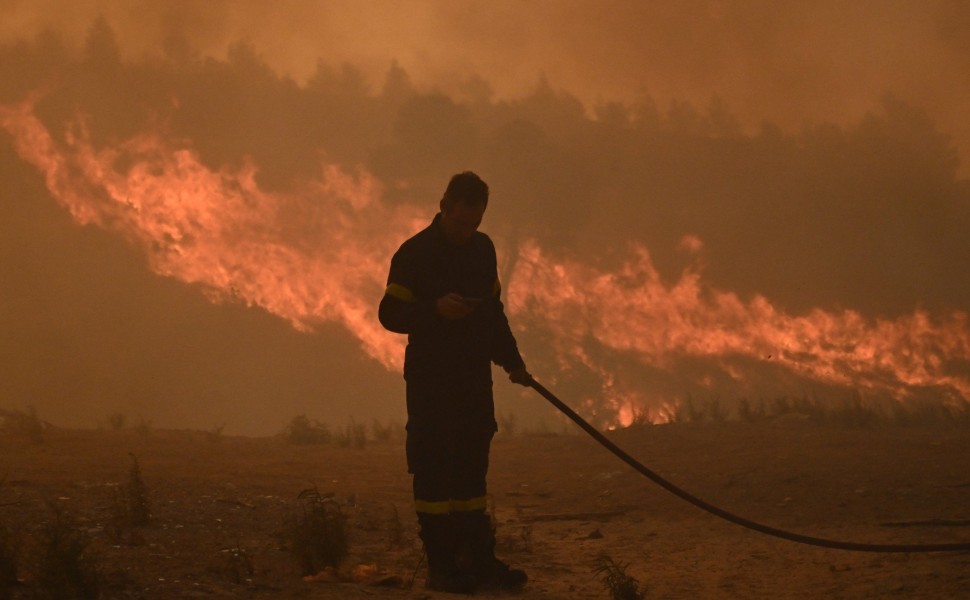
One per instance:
(786, 62)
(867, 214)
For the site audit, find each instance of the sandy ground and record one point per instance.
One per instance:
(219, 505)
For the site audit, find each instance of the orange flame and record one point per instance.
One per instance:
(633, 311)
(320, 254)
(310, 257)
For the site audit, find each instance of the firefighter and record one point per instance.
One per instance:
(443, 292)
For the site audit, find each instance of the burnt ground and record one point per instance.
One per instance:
(220, 507)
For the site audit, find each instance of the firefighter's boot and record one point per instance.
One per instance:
(440, 537)
(478, 556)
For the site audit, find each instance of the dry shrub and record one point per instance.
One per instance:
(318, 533)
(302, 430)
(621, 585)
(392, 431)
(131, 507)
(395, 530)
(354, 435)
(135, 495)
(65, 567)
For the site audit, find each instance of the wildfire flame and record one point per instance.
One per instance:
(634, 312)
(320, 254)
(314, 256)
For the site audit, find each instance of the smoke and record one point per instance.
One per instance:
(833, 248)
(787, 62)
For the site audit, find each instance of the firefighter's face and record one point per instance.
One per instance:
(460, 220)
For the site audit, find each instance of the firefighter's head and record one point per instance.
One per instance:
(463, 206)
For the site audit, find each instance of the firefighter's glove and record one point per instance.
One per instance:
(521, 376)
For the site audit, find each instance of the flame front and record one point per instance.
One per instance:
(319, 254)
(633, 311)
(314, 256)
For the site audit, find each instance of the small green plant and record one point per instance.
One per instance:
(65, 568)
(318, 534)
(302, 430)
(621, 585)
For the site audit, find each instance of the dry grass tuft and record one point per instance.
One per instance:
(65, 567)
(303, 430)
(131, 508)
(354, 435)
(621, 585)
(392, 431)
(318, 534)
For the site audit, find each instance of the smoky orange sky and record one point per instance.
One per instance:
(692, 199)
(787, 62)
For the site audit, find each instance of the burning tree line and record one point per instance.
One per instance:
(650, 254)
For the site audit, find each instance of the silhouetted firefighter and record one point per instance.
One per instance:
(443, 292)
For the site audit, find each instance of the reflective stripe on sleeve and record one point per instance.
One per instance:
(400, 292)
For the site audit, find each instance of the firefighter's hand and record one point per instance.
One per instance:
(521, 376)
(453, 306)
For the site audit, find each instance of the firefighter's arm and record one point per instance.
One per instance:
(403, 316)
(505, 350)
(401, 310)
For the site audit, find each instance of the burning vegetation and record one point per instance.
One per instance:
(636, 282)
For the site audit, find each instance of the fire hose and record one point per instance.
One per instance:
(719, 512)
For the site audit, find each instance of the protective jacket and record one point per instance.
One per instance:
(447, 363)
